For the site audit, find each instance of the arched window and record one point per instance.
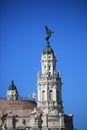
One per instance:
(43, 95)
(51, 95)
(44, 67)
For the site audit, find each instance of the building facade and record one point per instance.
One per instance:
(48, 112)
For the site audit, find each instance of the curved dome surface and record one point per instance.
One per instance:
(12, 86)
(17, 107)
(48, 50)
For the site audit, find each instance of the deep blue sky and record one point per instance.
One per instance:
(22, 41)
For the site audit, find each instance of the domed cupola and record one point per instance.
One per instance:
(12, 93)
(48, 49)
(48, 61)
(12, 86)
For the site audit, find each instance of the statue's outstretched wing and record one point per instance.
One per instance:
(47, 30)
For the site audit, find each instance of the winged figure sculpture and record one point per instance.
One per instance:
(48, 32)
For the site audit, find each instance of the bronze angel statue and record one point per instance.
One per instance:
(48, 32)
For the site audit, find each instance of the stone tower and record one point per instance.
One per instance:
(49, 88)
(12, 93)
(49, 83)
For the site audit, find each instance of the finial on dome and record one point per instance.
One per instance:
(48, 32)
(12, 81)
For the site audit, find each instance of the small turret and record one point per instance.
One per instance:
(34, 96)
(12, 93)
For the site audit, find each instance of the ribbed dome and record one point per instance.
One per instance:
(48, 50)
(12, 86)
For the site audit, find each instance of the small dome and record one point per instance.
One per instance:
(12, 86)
(48, 50)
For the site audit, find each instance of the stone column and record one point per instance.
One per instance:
(45, 122)
(62, 125)
(0, 120)
(10, 121)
